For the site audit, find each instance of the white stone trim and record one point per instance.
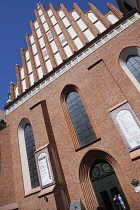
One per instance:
(23, 155)
(75, 60)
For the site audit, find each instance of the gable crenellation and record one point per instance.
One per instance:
(56, 35)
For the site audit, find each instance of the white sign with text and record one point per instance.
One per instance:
(129, 128)
(128, 125)
(45, 171)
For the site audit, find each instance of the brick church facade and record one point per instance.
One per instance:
(72, 135)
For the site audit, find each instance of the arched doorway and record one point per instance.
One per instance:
(91, 193)
(106, 184)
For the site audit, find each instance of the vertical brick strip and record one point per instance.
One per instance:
(87, 21)
(31, 56)
(12, 91)
(64, 30)
(117, 12)
(47, 44)
(42, 63)
(25, 68)
(53, 32)
(18, 79)
(100, 16)
(75, 26)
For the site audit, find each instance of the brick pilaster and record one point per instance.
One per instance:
(99, 15)
(18, 79)
(116, 11)
(63, 29)
(12, 91)
(77, 29)
(42, 63)
(25, 68)
(31, 57)
(53, 32)
(86, 20)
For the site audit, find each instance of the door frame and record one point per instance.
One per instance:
(106, 184)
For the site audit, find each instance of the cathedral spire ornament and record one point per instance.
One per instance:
(9, 98)
(38, 5)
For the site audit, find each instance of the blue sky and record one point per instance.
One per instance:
(14, 24)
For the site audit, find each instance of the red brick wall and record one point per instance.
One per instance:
(101, 88)
(7, 194)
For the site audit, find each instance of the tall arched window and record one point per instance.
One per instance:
(133, 64)
(80, 119)
(30, 149)
(27, 149)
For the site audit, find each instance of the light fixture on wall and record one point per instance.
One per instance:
(135, 182)
(45, 198)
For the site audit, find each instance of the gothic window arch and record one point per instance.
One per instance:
(130, 62)
(79, 118)
(27, 149)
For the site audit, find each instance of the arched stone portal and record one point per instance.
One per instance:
(98, 191)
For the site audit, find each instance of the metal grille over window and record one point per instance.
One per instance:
(100, 169)
(49, 35)
(30, 149)
(133, 64)
(62, 40)
(80, 119)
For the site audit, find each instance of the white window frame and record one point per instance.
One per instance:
(23, 155)
(122, 60)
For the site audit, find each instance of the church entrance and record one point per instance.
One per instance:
(106, 184)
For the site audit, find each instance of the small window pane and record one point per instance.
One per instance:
(72, 32)
(36, 25)
(100, 26)
(42, 18)
(38, 33)
(61, 14)
(68, 50)
(50, 13)
(53, 20)
(57, 29)
(49, 35)
(32, 39)
(81, 24)
(75, 15)
(31, 76)
(62, 40)
(66, 22)
(80, 119)
(133, 64)
(54, 47)
(89, 35)
(46, 27)
(112, 18)
(58, 58)
(92, 17)
(78, 43)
